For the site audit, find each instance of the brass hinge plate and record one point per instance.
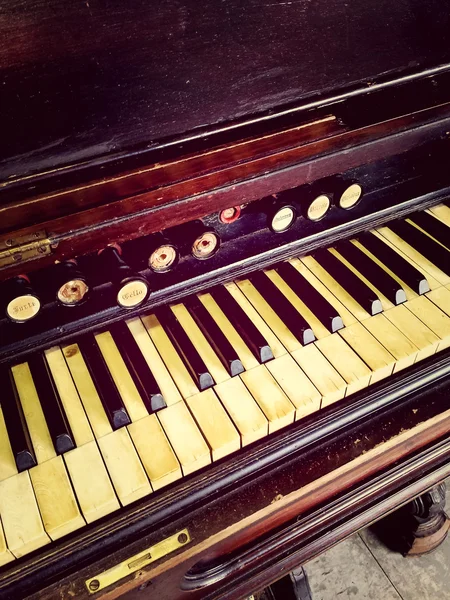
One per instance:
(15, 250)
(138, 561)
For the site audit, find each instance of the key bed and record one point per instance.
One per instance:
(106, 420)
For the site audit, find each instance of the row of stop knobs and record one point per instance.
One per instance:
(311, 203)
(21, 302)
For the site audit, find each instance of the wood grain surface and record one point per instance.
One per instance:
(92, 78)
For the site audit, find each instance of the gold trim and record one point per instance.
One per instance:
(137, 562)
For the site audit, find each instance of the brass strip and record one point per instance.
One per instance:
(138, 561)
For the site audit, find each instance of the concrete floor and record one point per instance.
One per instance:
(362, 568)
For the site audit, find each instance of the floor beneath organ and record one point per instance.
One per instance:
(362, 568)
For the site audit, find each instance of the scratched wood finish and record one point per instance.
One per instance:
(75, 188)
(178, 202)
(88, 194)
(249, 151)
(84, 80)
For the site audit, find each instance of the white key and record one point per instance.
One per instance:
(121, 376)
(243, 409)
(87, 471)
(163, 378)
(272, 400)
(172, 360)
(214, 423)
(51, 484)
(296, 385)
(186, 440)
(122, 462)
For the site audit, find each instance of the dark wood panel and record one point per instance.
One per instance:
(93, 78)
(34, 209)
(246, 181)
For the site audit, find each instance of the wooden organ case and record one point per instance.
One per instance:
(225, 287)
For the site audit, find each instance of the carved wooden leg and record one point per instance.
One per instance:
(418, 527)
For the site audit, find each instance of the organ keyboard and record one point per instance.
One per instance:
(224, 288)
(93, 425)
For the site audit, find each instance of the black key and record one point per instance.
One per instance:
(104, 383)
(377, 276)
(54, 414)
(421, 242)
(18, 434)
(243, 325)
(139, 370)
(433, 226)
(186, 349)
(357, 289)
(396, 263)
(317, 304)
(215, 336)
(290, 316)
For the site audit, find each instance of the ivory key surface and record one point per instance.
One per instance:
(34, 416)
(122, 462)
(53, 490)
(410, 294)
(441, 297)
(348, 364)
(322, 374)
(245, 354)
(166, 384)
(355, 309)
(211, 360)
(442, 212)
(121, 376)
(422, 263)
(124, 467)
(385, 303)
(169, 355)
(55, 497)
(19, 512)
(243, 410)
(344, 313)
(7, 463)
(274, 403)
(433, 317)
(90, 479)
(188, 443)
(156, 453)
(238, 291)
(376, 357)
(319, 329)
(86, 390)
(432, 282)
(69, 396)
(397, 344)
(296, 385)
(414, 329)
(5, 555)
(276, 325)
(214, 423)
